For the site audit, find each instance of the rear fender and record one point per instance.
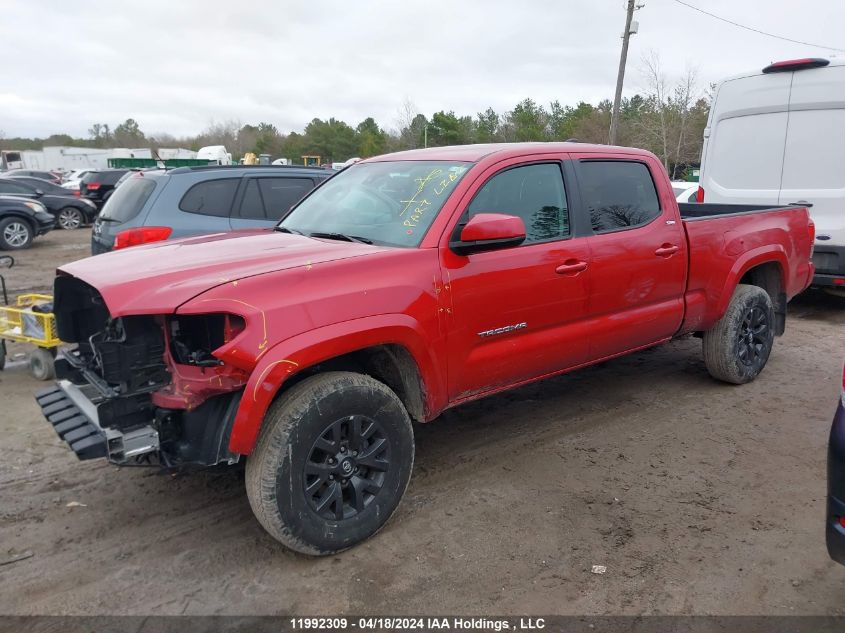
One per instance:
(294, 355)
(748, 260)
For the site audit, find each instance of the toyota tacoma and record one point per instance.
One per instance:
(402, 286)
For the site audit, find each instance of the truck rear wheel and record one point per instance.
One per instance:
(332, 462)
(737, 347)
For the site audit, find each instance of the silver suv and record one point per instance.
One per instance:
(164, 204)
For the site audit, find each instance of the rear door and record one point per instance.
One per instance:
(516, 313)
(263, 200)
(638, 253)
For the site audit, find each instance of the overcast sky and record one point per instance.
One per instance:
(177, 65)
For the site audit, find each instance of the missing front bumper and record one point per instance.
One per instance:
(74, 418)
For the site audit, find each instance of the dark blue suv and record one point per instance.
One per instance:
(163, 204)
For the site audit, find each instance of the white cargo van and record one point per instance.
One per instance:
(777, 136)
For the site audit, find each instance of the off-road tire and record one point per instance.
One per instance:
(292, 441)
(737, 348)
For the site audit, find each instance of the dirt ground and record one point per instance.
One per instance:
(698, 497)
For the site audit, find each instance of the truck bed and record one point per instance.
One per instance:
(737, 237)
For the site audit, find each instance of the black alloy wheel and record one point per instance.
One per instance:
(737, 347)
(753, 337)
(346, 467)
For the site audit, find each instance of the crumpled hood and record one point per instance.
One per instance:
(158, 278)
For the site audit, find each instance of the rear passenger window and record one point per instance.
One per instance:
(534, 193)
(252, 206)
(618, 194)
(212, 197)
(280, 194)
(271, 198)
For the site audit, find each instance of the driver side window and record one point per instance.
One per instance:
(534, 193)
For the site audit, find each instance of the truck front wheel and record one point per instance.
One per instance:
(332, 462)
(737, 347)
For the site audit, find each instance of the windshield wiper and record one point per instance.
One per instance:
(285, 229)
(341, 236)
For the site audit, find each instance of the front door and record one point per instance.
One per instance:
(516, 313)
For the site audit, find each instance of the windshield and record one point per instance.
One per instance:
(390, 203)
(678, 190)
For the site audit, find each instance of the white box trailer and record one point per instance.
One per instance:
(70, 158)
(62, 158)
(21, 159)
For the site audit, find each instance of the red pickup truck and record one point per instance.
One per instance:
(402, 286)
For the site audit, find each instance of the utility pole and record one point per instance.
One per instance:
(617, 98)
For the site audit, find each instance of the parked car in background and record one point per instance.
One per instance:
(685, 191)
(35, 173)
(97, 186)
(776, 136)
(21, 220)
(835, 525)
(71, 180)
(70, 211)
(157, 205)
(131, 173)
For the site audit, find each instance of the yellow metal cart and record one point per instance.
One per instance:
(26, 322)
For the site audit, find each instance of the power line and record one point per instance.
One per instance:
(749, 28)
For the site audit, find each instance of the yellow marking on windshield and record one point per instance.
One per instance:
(445, 183)
(421, 183)
(422, 205)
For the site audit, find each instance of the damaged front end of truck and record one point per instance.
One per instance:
(143, 389)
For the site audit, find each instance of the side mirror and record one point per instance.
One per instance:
(489, 231)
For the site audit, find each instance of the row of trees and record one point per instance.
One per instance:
(667, 118)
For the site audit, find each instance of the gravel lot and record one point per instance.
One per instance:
(698, 497)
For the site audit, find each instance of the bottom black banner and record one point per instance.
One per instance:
(533, 624)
